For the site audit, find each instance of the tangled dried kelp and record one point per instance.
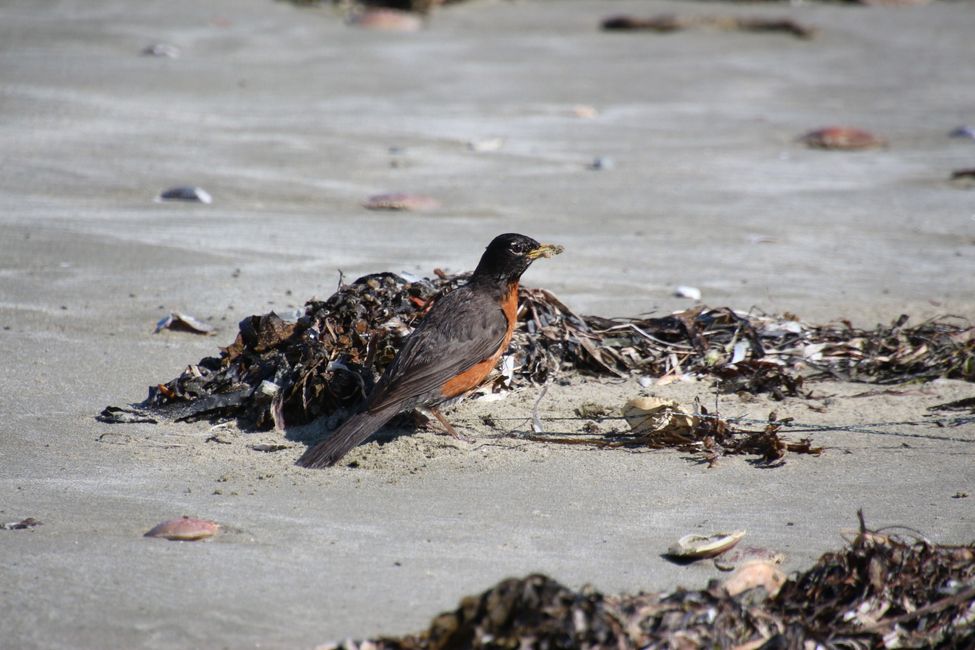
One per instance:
(699, 433)
(880, 591)
(279, 372)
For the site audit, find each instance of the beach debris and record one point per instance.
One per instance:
(325, 362)
(386, 20)
(684, 291)
(162, 50)
(698, 547)
(602, 163)
(189, 193)
(966, 404)
(184, 529)
(662, 424)
(963, 177)
(740, 555)
(485, 145)
(879, 591)
(269, 447)
(23, 524)
(842, 138)
(585, 111)
(755, 574)
(666, 23)
(962, 132)
(180, 322)
(655, 417)
(123, 415)
(402, 201)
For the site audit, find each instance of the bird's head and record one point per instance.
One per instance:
(509, 255)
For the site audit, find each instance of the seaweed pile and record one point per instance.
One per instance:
(880, 591)
(279, 373)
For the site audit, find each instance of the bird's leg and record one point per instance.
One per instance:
(448, 426)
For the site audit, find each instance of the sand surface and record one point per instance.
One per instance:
(287, 117)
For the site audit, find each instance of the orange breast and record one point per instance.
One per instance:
(473, 376)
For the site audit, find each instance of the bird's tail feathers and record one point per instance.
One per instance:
(353, 432)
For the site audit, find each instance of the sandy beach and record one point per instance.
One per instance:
(290, 119)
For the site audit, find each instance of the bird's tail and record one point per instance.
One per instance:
(353, 432)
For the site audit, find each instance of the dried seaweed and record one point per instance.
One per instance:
(277, 372)
(709, 437)
(666, 23)
(879, 591)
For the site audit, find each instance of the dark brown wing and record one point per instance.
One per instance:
(462, 329)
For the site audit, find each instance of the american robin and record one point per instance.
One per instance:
(451, 351)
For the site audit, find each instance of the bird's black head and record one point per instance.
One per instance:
(509, 255)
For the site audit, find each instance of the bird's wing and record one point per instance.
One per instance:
(461, 330)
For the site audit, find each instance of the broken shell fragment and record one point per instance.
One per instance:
(655, 416)
(696, 547)
(489, 144)
(401, 201)
(757, 573)
(164, 50)
(186, 193)
(842, 138)
(742, 555)
(685, 291)
(179, 321)
(387, 20)
(185, 529)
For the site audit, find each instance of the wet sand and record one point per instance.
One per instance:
(287, 117)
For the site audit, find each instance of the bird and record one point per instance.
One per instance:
(453, 348)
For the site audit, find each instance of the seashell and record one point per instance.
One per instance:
(962, 132)
(184, 529)
(842, 138)
(963, 177)
(742, 555)
(182, 322)
(684, 291)
(186, 193)
(489, 144)
(696, 547)
(387, 20)
(164, 50)
(402, 201)
(757, 573)
(585, 111)
(652, 415)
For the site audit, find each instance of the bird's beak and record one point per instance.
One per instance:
(545, 250)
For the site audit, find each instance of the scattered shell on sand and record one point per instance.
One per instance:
(387, 20)
(182, 322)
(585, 111)
(842, 138)
(163, 50)
(685, 291)
(696, 547)
(402, 201)
(652, 415)
(757, 573)
(742, 555)
(487, 144)
(963, 177)
(185, 529)
(186, 193)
